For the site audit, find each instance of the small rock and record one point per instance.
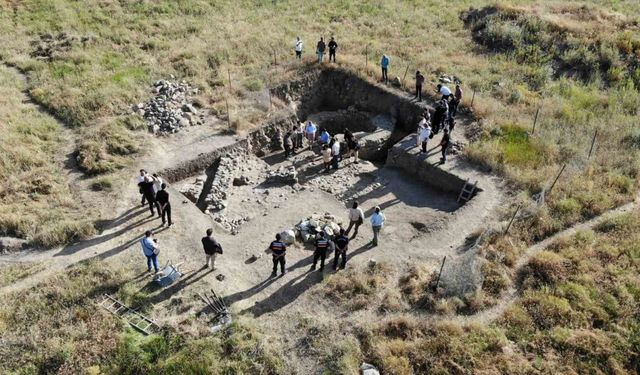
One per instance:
(220, 277)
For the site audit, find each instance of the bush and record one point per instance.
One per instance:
(546, 268)
(546, 311)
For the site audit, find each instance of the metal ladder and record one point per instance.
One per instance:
(467, 191)
(137, 320)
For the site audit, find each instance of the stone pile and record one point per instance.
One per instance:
(306, 230)
(171, 107)
(288, 176)
(216, 199)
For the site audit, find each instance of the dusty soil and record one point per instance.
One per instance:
(423, 225)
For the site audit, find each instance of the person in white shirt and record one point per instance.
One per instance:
(335, 152)
(377, 221)
(298, 48)
(421, 124)
(356, 218)
(445, 91)
(157, 183)
(326, 157)
(425, 132)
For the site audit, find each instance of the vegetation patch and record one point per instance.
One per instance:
(357, 288)
(36, 200)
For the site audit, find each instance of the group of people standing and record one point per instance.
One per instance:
(153, 191)
(443, 118)
(329, 145)
(321, 48)
(324, 243)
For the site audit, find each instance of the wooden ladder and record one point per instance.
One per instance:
(137, 320)
(467, 191)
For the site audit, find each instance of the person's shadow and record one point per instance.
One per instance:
(285, 294)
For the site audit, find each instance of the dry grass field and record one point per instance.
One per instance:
(573, 65)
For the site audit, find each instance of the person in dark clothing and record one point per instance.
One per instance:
(150, 194)
(288, 144)
(419, 82)
(211, 249)
(333, 46)
(445, 143)
(440, 116)
(279, 250)
(320, 48)
(342, 244)
(163, 200)
(322, 245)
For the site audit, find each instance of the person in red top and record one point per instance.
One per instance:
(279, 250)
(419, 82)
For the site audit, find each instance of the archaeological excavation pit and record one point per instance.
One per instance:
(252, 191)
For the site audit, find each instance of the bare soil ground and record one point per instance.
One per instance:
(423, 225)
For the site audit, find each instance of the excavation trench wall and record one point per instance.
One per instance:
(257, 141)
(400, 156)
(333, 89)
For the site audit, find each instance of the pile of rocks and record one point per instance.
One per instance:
(283, 175)
(306, 230)
(216, 199)
(48, 47)
(171, 107)
(444, 78)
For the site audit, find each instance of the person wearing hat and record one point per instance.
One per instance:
(377, 221)
(322, 245)
(279, 250)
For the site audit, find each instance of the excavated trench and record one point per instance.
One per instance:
(335, 100)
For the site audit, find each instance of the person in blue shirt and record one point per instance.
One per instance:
(324, 137)
(384, 64)
(149, 249)
(377, 221)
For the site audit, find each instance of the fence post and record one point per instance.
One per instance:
(556, 180)
(226, 101)
(593, 142)
(435, 288)
(366, 58)
(229, 75)
(512, 218)
(473, 97)
(275, 60)
(405, 76)
(535, 120)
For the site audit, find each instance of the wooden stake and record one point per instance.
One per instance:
(435, 288)
(473, 97)
(229, 75)
(535, 119)
(556, 180)
(593, 142)
(275, 59)
(512, 218)
(228, 113)
(366, 58)
(405, 75)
